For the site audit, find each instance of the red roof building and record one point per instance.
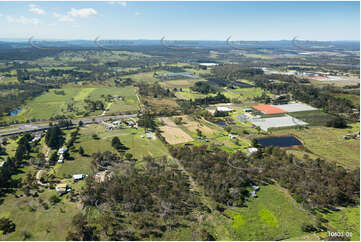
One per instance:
(268, 109)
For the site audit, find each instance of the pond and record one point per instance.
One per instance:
(284, 141)
(221, 123)
(15, 112)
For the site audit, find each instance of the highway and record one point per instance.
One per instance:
(43, 125)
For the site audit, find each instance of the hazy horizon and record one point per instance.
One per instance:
(200, 21)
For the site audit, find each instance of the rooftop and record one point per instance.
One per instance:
(268, 109)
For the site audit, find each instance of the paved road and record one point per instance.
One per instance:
(38, 126)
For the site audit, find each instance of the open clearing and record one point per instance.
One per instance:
(329, 144)
(271, 216)
(172, 133)
(193, 125)
(50, 104)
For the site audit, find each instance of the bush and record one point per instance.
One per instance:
(6, 225)
(54, 199)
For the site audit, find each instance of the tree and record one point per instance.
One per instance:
(54, 199)
(228, 129)
(54, 137)
(6, 225)
(53, 159)
(338, 122)
(128, 156)
(81, 151)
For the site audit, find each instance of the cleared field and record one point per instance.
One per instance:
(328, 143)
(138, 145)
(172, 133)
(187, 94)
(193, 125)
(186, 83)
(244, 94)
(313, 118)
(40, 223)
(51, 104)
(271, 216)
(345, 220)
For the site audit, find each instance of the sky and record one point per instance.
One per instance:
(324, 21)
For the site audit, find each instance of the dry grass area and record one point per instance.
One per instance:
(193, 125)
(172, 133)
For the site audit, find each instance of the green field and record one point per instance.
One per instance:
(131, 138)
(313, 118)
(271, 216)
(51, 104)
(329, 144)
(345, 220)
(243, 94)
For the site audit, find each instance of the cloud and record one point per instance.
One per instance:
(121, 3)
(137, 13)
(83, 12)
(71, 15)
(34, 9)
(22, 20)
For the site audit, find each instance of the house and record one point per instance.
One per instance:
(61, 159)
(252, 151)
(62, 150)
(224, 109)
(78, 177)
(253, 194)
(232, 136)
(255, 188)
(117, 123)
(62, 189)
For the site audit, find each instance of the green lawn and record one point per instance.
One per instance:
(41, 224)
(346, 220)
(271, 216)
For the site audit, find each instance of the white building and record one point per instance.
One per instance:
(62, 150)
(224, 109)
(252, 151)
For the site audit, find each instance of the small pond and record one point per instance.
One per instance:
(284, 141)
(222, 123)
(15, 112)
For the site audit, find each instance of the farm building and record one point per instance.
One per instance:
(62, 189)
(224, 109)
(252, 151)
(78, 177)
(277, 122)
(62, 150)
(295, 107)
(61, 159)
(268, 109)
(206, 66)
(256, 188)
